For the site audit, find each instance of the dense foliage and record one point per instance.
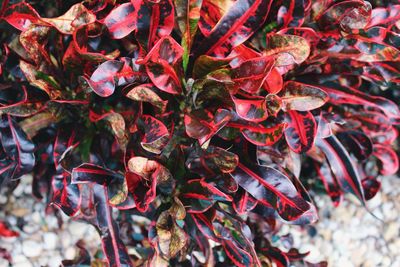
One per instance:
(214, 119)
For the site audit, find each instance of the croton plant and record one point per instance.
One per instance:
(188, 131)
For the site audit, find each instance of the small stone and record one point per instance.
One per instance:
(391, 231)
(342, 261)
(3, 262)
(19, 190)
(55, 261)
(30, 228)
(20, 212)
(42, 261)
(28, 190)
(314, 255)
(386, 261)
(36, 218)
(50, 240)
(21, 261)
(31, 248)
(52, 222)
(70, 253)
(66, 239)
(78, 229)
(3, 199)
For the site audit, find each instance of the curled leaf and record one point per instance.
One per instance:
(122, 20)
(102, 81)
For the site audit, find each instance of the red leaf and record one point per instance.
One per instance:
(259, 134)
(142, 177)
(144, 192)
(292, 13)
(164, 77)
(159, 65)
(384, 16)
(351, 96)
(5, 231)
(273, 82)
(113, 247)
(358, 143)
(211, 161)
(200, 195)
(91, 173)
(301, 130)
(251, 74)
(253, 110)
(66, 196)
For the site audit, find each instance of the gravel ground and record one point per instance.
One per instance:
(347, 236)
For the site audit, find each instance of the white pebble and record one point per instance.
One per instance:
(31, 248)
(50, 240)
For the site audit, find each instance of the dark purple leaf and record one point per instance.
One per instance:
(271, 187)
(16, 151)
(236, 25)
(342, 166)
(300, 131)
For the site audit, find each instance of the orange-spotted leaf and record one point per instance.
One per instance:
(259, 134)
(75, 17)
(287, 49)
(147, 93)
(156, 134)
(302, 97)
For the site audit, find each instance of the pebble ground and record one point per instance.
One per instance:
(346, 236)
